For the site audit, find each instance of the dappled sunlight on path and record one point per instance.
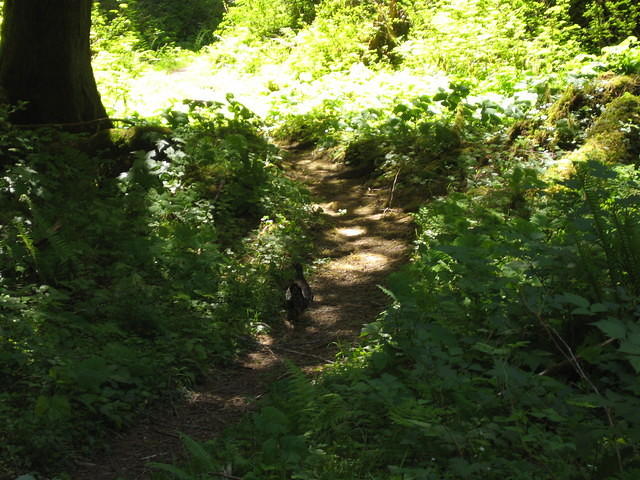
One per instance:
(360, 244)
(363, 241)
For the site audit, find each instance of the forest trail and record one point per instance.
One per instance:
(362, 242)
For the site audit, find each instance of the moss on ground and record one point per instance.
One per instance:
(614, 137)
(578, 106)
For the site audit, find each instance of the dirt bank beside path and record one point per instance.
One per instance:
(362, 243)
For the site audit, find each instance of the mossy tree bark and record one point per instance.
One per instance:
(45, 60)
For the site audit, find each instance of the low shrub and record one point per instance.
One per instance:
(124, 278)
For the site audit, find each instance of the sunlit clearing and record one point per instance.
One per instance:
(150, 91)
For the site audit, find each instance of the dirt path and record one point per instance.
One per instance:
(363, 244)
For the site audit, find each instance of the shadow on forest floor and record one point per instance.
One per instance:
(362, 244)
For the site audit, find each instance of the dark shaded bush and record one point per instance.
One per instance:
(188, 23)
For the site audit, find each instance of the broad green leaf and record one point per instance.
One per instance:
(272, 421)
(613, 327)
(549, 414)
(635, 363)
(630, 348)
(573, 299)
(42, 405)
(490, 349)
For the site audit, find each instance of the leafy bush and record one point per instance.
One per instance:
(510, 350)
(157, 24)
(269, 18)
(606, 23)
(124, 277)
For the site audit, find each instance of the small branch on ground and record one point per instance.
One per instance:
(74, 124)
(393, 189)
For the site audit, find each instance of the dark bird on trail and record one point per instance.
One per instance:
(298, 295)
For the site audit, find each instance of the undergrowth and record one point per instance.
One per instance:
(511, 346)
(123, 279)
(510, 349)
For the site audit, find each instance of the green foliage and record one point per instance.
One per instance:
(123, 278)
(477, 39)
(156, 24)
(625, 57)
(268, 18)
(511, 350)
(418, 139)
(335, 40)
(607, 23)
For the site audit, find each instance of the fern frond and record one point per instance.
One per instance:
(61, 248)
(174, 471)
(200, 458)
(301, 393)
(28, 242)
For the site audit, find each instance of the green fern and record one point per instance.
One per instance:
(174, 471)
(615, 225)
(200, 458)
(627, 243)
(28, 242)
(200, 463)
(301, 396)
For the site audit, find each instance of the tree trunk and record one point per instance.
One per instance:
(45, 60)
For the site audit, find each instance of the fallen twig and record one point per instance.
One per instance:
(393, 189)
(73, 124)
(149, 457)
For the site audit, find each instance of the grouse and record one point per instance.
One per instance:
(298, 295)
